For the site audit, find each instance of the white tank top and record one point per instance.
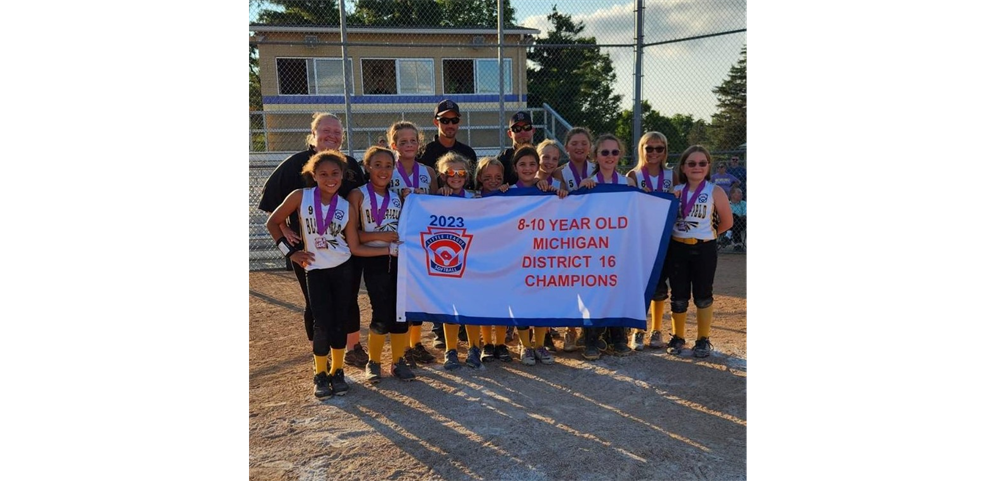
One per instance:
(330, 248)
(397, 180)
(573, 181)
(369, 224)
(698, 224)
(621, 180)
(654, 181)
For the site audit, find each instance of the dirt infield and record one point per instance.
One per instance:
(647, 416)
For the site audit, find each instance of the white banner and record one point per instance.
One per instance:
(527, 258)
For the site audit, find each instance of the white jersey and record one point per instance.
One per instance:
(369, 224)
(467, 194)
(698, 224)
(615, 179)
(329, 247)
(397, 180)
(573, 181)
(654, 181)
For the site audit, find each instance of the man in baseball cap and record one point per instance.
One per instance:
(520, 131)
(447, 106)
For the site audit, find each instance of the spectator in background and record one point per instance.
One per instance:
(382, 142)
(738, 206)
(736, 170)
(521, 131)
(723, 179)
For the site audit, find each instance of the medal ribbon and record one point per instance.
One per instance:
(601, 178)
(378, 214)
(576, 174)
(685, 206)
(649, 181)
(404, 175)
(322, 222)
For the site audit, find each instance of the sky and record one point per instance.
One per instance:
(677, 78)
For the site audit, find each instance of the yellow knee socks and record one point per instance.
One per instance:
(452, 331)
(414, 335)
(678, 320)
(320, 364)
(473, 334)
(338, 359)
(704, 322)
(398, 344)
(375, 343)
(657, 308)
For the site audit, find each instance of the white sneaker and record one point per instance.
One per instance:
(543, 355)
(528, 356)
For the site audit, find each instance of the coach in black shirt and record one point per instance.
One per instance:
(447, 119)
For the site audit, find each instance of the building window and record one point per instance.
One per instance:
(292, 75)
(310, 76)
(398, 76)
(487, 76)
(468, 76)
(457, 74)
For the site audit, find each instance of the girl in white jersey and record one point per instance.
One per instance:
(578, 167)
(525, 163)
(652, 175)
(607, 150)
(577, 143)
(692, 250)
(490, 178)
(410, 177)
(452, 168)
(379, 210)
(549, 163)
(329, 235)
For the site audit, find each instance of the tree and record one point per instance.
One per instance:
(576, 82)
(474, 13)
(299, 12)
(728, 129)
(681, 130)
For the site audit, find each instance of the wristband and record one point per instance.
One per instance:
(393, 248)
(285, 247)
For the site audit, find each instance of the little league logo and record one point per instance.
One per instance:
(445, 251)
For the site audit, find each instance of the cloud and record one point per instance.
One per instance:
(677, 77)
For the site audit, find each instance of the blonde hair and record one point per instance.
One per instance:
(642, 149)
(401, 125)
(315, 120)
(483, 164)
(450, 158)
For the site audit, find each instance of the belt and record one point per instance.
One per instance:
(690, 241)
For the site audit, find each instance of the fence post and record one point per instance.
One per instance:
(500, 30)
(347, 73)
(637, 89)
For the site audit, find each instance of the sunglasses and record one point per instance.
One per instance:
(606, 153)
(516, 129)
(448, 120)
(659, 149)
(703, 163)
(456, 173)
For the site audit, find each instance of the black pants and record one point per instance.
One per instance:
(692, 272)
(660, 293)
(329, 291)
(352, 324)
(381, 283)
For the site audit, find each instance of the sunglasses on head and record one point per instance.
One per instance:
(456, 173)
(516, 129)
(659, 149)
(703, 163)
(448, 120)
(606, 153)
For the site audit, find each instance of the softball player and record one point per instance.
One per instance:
(453, 169)
(379, 210)
(578, 147)
(410, 176)
(490, 178)
(652, 175)
(329, 240)
(692, 250)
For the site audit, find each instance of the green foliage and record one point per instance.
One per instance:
(255, 90)
(576, 82)
(681, 130)
(728, 129)
(301, 12)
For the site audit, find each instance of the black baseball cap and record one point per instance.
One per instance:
(446, 106)
(520, 116)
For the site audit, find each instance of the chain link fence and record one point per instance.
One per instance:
(684, 60)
